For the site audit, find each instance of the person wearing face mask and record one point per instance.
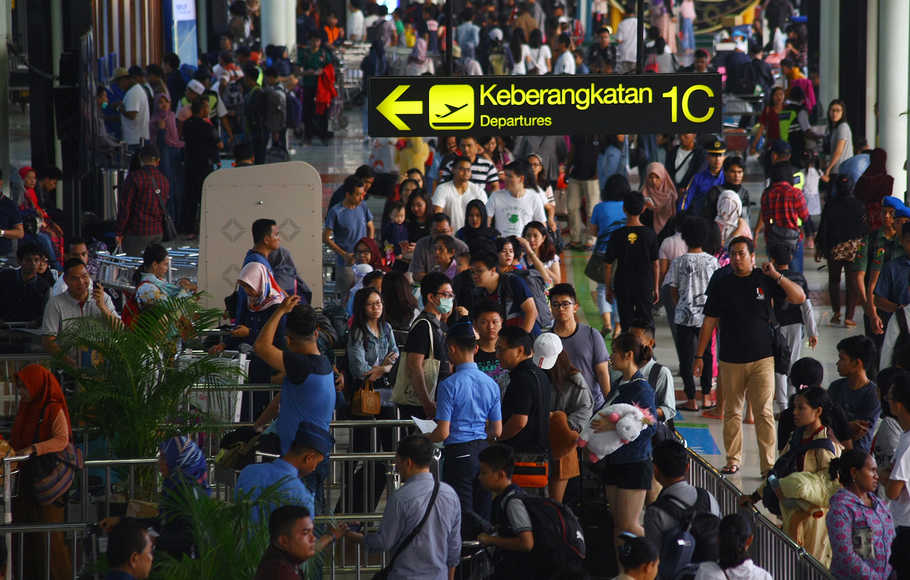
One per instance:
(425, 351)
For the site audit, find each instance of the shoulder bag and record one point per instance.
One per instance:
(168, 229)
(384, 574)
(403, 392)
(366, 401)
(51, 475)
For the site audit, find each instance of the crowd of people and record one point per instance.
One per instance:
(454, 305)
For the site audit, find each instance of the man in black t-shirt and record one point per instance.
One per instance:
(739, 302)
(488, 323)
(634, 249)
(526, 406)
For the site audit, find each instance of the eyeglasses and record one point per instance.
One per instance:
(560, 305)
(445, 294)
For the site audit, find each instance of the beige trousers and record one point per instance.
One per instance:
(754, 382)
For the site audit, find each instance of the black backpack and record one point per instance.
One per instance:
(679, 546)
(788, 463)
(559, 543)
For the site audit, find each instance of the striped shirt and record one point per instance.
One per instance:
(483, 173)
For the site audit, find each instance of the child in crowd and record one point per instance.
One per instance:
(394, 232)
(855, 393)
(639, 559)
(795, 321)
(806, 372)
(633, 248)
(515, 536)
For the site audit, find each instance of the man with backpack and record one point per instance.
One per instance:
(526, 526)
(254, 107)
(669, 522)
(275, 115)
(511, 295)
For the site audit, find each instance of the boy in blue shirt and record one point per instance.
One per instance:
(855, 393)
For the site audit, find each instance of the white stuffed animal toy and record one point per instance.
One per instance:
(630, 420)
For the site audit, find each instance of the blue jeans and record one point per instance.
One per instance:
(170, 165)
(611, 161)
(796, 264)
(688, 35)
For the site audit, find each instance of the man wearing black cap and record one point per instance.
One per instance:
(693, 202)
(311, 444)
(138, 73)
(140, 208)
(134, 109)
(468, 410)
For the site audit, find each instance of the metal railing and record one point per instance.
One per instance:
(771, 549)
(77, 532)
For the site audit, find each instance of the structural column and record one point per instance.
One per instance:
(279, 23)
(893, 70)
(871, 71)
(829, 53)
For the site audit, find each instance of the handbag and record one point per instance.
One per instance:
(594, 269)
(403, 393)
(384, 574)
(51, 475)
(168, 229)
(366, 401)
(846, 251)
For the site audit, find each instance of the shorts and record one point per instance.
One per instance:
(636, 475)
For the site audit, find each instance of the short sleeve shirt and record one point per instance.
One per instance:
(455, 204)
(307, 394)
(690, 274)
(893, 282)
(900, 471)
(467, 399)
(136, 129)
(511, 214)
(586, 349)
(348, 226)
(608, 217)
(743, 305)
(633, 248)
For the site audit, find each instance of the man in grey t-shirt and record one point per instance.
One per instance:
(584, 345)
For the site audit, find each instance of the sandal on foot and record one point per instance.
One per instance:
(708, 407)
(687, 407)
(849, 323)
(730, 469)
(713, 414)
(835, 319)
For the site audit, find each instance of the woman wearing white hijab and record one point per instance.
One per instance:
(729, 218)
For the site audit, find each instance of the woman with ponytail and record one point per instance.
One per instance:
(735, 538)
(860, 528)
(812, 446)
(627, 473)
(150, 279)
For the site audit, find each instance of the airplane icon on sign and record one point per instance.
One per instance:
(452, 109)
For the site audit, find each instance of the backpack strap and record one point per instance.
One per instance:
(654, 374)
(901, 316)
(703, 501)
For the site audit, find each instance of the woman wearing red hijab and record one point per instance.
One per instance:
(42, 426)
(30, 203)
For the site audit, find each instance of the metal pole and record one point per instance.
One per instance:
(640, 49)
(450, 32)
(5, 17)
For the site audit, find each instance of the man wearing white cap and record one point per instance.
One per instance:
(134, 109)
(468, 411)
(194, 90)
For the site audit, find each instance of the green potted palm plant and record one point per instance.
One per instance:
(134, 393)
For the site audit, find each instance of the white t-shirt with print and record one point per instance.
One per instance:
(511, 214)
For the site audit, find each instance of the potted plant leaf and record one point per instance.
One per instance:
(134, 394)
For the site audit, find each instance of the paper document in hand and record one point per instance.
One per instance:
(425, 425)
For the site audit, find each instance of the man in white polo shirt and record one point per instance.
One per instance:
(452, 197)
(76, 302)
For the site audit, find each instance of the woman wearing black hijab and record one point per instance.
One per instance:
(476, 227)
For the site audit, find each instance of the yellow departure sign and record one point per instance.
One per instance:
(545, 105)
